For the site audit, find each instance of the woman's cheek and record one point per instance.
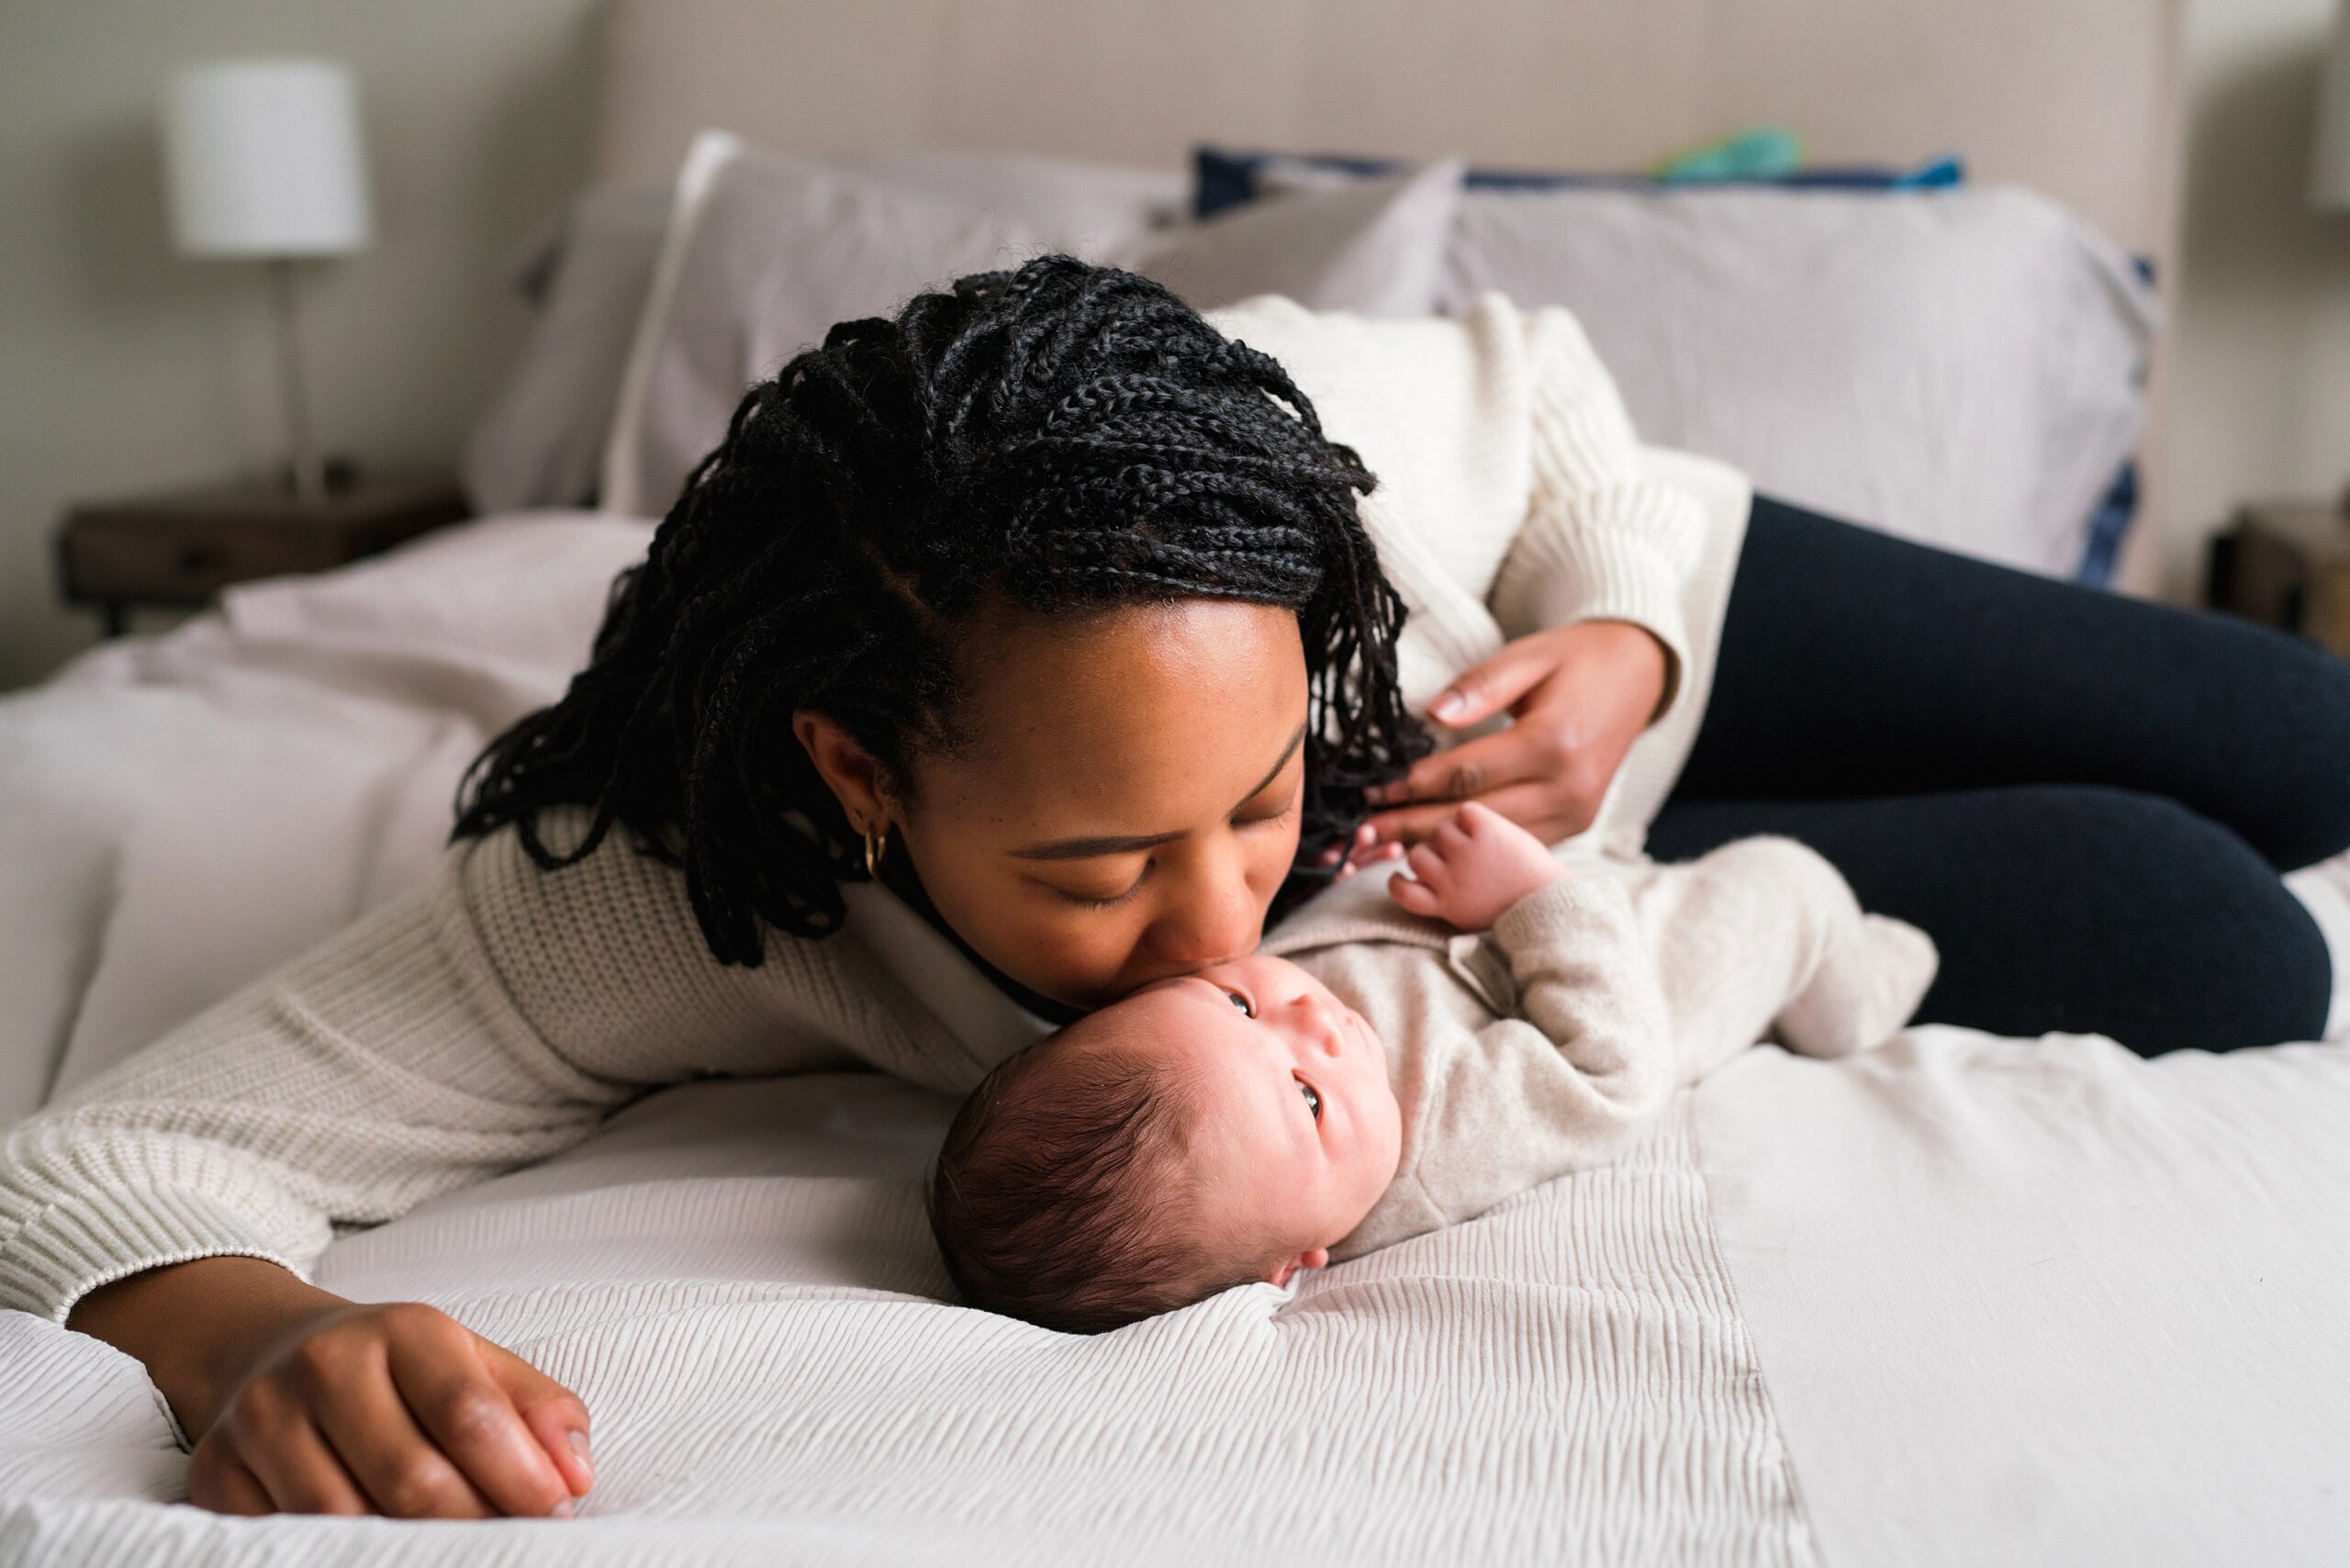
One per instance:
(1085, 951)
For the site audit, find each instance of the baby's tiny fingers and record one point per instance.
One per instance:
(1426, 864)
(1412, 896)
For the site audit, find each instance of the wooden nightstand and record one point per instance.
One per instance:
(181, 548)
(2287, 563)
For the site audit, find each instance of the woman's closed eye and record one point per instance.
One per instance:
(1088, 901)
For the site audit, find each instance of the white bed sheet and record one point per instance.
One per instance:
(179, 814)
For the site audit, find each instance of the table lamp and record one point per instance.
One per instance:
(2330, 158)
(264, 163)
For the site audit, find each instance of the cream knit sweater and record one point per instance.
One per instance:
(496, 1014)
(1544, 1046)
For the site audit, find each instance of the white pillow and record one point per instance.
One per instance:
(763, 256)
(1078, 205)
(765, 253)
(1373, 247)
(1964, 367)
(542, 440)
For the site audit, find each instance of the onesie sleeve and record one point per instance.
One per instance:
(1601, 540)
(1496, 1102)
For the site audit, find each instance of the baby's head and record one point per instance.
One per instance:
(1221, 1128)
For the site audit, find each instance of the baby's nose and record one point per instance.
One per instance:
(1327, 1029)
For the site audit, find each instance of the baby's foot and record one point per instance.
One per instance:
(1871, 979)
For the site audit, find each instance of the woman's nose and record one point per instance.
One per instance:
(1217, 921)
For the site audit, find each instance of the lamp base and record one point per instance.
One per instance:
(333, 475)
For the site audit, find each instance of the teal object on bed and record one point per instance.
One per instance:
(1771, 152)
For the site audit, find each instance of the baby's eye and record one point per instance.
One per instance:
(1313, 1098)
(1242, 1002)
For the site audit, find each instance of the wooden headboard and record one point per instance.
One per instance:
(2079, 99)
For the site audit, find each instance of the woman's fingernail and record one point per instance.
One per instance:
(1446, 706)
(579, 1451)
(561, 1510)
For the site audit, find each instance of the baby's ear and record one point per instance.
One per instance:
(1312, 1258)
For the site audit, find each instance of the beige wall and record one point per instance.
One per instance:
(2260, 366)
(122, 368)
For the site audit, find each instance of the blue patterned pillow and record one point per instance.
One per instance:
(1227, 179)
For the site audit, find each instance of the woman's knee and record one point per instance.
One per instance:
(2312, 689)
(2218, 951)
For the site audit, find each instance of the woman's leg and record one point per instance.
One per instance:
(2064, 907)
(1857, 665)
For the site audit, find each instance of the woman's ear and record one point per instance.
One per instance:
(850, 771)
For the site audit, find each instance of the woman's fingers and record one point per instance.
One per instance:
(553, 1413)
(1515, 756)
(1486, 689)
(218, 1480)
(404, 1473)
(445, 1379)
(1533, 807)
(273, 1438)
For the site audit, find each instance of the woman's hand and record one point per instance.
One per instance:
(1472, 868)
(305, 1402)
(1578, 697)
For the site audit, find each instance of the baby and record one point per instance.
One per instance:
(1380, 1070)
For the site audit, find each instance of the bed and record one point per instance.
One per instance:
(1959, 1299)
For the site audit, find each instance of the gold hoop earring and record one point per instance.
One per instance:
(876, 845)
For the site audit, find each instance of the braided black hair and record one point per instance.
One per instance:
(1065, 436)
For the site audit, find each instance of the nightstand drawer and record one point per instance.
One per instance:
(181, 549)
(163, 562)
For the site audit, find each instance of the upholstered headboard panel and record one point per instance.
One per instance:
(2078, 97)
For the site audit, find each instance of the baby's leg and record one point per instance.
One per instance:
(1763, 936)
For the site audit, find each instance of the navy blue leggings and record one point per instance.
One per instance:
(2087, 800)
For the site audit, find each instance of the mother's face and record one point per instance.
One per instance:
(1131, 799)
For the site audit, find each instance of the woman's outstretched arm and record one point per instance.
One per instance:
(488, 1020)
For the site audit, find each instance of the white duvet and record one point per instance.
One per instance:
(1958, 1300)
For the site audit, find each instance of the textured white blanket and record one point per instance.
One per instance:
(1961, 1300)
(737, 1278)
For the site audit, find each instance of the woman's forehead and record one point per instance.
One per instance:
(1150, 716)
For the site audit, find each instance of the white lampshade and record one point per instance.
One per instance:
(2330, 160)
(265, 159)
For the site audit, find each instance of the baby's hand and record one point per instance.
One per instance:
(1474, 867)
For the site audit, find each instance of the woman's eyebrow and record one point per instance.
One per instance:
(1126, 844)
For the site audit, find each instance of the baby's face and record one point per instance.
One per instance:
(1295, 1131)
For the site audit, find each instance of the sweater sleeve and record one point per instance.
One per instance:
(1495, 1104)
(387, 1066)
(1601, 540)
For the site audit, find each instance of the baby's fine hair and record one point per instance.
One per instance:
(1056, 1198)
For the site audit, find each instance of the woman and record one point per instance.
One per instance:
(1004, 657)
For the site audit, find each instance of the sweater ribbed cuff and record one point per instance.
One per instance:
(74, 1245)
(1609, 574)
